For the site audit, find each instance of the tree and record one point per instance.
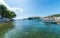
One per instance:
(4, 12)
(55, 15)
(9, 14)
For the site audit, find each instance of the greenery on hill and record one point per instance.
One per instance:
(31, 18)
(5, 13)
(55, 15)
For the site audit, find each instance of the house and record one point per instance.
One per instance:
(57, 19)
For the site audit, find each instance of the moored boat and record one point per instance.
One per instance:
(50, 21)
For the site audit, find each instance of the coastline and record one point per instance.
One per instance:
(5, 20)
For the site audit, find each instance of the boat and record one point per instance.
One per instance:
(50, 21)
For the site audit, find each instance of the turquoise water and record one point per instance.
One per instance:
(29, 29)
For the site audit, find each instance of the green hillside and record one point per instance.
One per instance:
(55, 15)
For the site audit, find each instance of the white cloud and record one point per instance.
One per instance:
(4, 3)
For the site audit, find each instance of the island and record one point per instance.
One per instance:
(34, 18)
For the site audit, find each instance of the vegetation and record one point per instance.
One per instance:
(31, 18)
(4, 12)
(55, 15)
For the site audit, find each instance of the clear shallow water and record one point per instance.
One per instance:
(29, 29)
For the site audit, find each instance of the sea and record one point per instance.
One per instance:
(29, 29)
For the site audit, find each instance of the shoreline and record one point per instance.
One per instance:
(5, 20)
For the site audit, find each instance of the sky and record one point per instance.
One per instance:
(28, 8)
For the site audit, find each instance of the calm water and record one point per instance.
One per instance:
(29, 29)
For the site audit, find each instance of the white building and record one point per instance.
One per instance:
(57, 19)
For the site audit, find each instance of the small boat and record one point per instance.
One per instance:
(50, 21)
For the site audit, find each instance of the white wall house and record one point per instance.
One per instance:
(57, 19)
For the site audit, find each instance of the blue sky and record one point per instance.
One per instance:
(35, 7)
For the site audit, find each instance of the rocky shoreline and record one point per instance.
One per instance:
(3, 20)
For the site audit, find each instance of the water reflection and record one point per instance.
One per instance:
(5, 27)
